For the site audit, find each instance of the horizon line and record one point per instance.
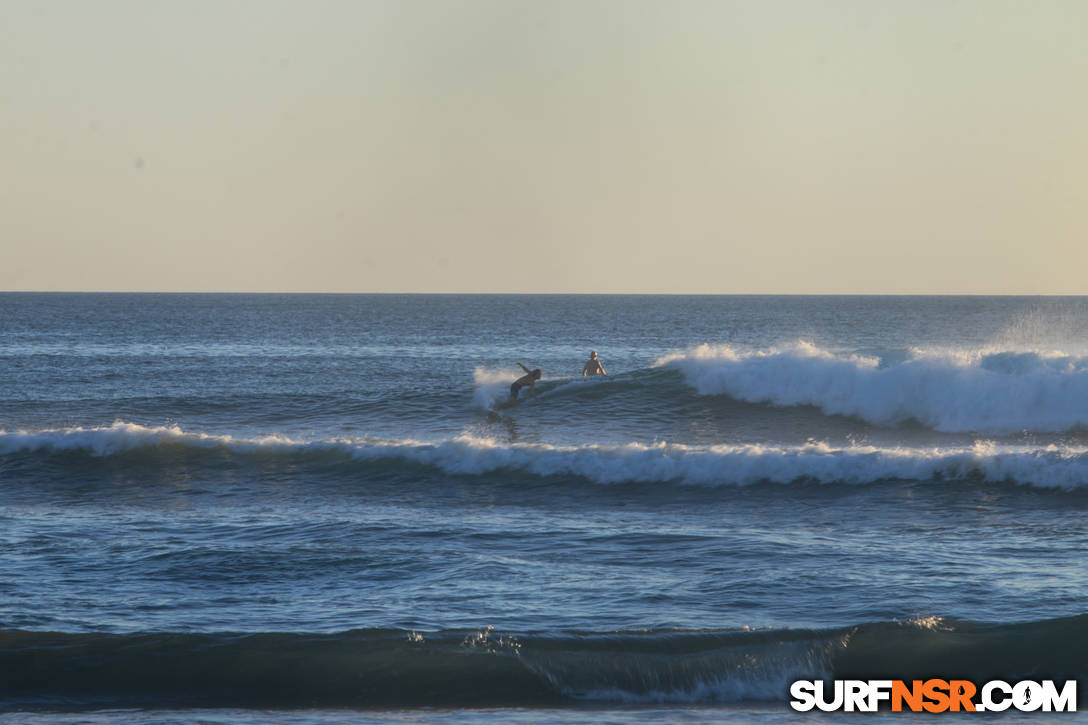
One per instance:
(556, 294)
(553, 294)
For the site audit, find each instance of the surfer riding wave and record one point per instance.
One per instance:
(530, 378)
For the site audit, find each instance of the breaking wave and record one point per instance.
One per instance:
(1062, 467)
(977, 391)
(378, 668)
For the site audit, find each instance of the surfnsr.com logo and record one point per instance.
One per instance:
(933, 695)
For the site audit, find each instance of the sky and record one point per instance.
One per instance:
(763, 146)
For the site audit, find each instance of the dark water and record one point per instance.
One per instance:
(254, 502)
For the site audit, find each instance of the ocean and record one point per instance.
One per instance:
(298, 508)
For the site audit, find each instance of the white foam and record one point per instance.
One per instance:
(492, 386)
(988, 391)
(121, 437)
(1064, 467)
(756, 671)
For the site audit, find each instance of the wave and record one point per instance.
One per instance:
(381, 668)
(993, 392)
(493, 386)
(1060, 467)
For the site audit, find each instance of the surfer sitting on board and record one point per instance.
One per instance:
(530, 378)
(593, 366)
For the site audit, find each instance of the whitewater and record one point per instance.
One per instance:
(1051, 466)
(986, 391)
